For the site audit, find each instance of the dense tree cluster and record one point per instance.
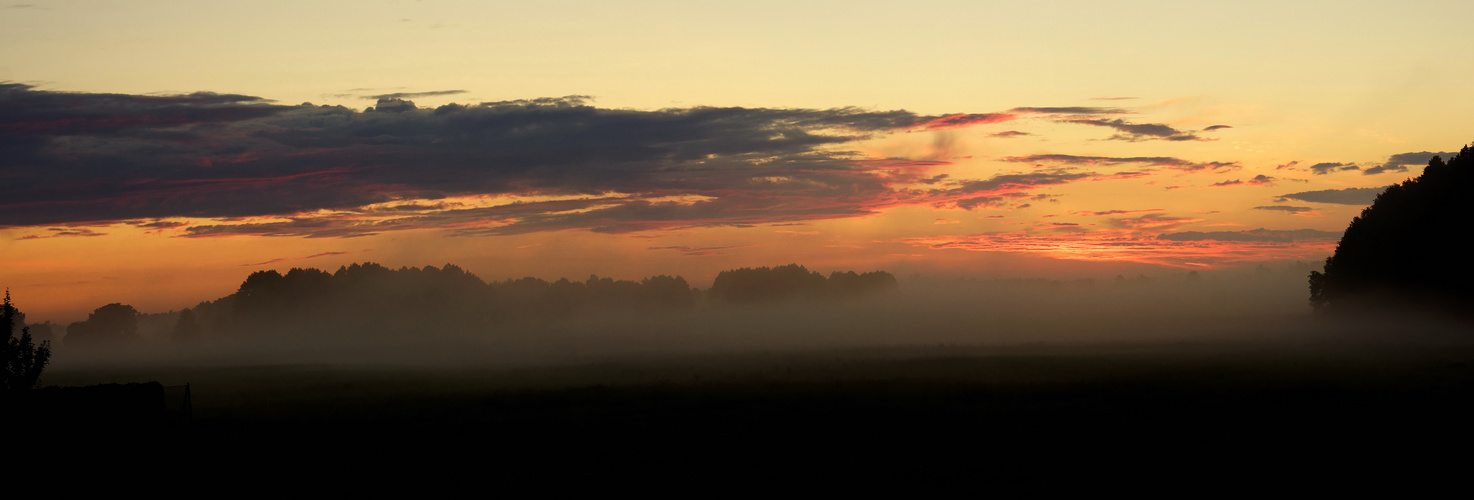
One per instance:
(1406, 249)
(794, 281)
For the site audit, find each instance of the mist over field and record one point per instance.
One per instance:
(1250, 306)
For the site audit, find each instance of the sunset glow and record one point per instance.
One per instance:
(155, 153)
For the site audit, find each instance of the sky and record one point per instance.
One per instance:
(156, 153)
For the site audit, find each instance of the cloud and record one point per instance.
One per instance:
(63, 232)
(1008, 134)
(1400, 162)
(285, 259)
(1287, 208)
(1069, 110)
(700, 251)
(1348, 196)
(158, 224)
(1137, 132)
(1155, 222)
(1384, 169)
(1330, 167)
(413, 95)
(1001, 189)
(1258, 180)
(1260, 234)
(963, 120)
(934, 179)
(1147, 161)
(1115, 212)
(1211, 128)
(1287, 166)
(329, 171)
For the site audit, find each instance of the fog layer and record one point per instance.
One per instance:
(1267, 305)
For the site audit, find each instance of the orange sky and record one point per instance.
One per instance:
(155, 152)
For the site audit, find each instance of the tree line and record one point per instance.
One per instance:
(371, 297)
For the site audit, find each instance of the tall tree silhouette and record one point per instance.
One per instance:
(1406, 250)
(22, 358)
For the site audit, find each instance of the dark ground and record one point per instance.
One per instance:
(1023, 415)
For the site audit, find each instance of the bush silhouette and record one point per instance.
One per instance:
(1406, 249)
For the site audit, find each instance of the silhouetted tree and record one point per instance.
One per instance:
(110, 323)
(795, 281)
(767, 284)
(849, 284)
(23, 359)
(667, 291)
(1405, 250)
(187, 329)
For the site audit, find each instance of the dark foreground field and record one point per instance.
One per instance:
(1238, 411)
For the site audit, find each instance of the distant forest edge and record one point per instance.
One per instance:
(370, 297)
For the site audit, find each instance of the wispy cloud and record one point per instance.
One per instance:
(700, 251)
(1332, 167)
(1348, 196)
(1258, 180)
(1070, 110)
(1402, 161)
(1137, 132)
(1141, 161)
(286, 259)
(1261, 234)
(1008, 134)
(63, 232)
(1115, 212)
(1307, 211)
(413, 95)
